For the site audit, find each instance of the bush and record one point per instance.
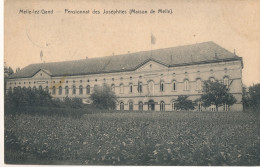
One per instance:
(184, 104)
(103, 97)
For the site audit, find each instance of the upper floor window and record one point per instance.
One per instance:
(46, 88)
(53, 90)
(161, 86)
(121, 88)
(80, 81)
(113, 87)
(40, 87)
(212, 79)
(131, 88)
(198, 84)
(140, 87)
(186, 85)
(60, 90)
(80, 90)
(151, 87)
(88, 89)
(174, 85)
(66, 90)
(73, 90)
(225, 81)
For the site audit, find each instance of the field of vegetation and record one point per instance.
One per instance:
(134, 138)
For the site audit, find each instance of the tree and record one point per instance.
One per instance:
(245, 97)
(182, 103)
(254, 97)
(216, 93)
(103, 97)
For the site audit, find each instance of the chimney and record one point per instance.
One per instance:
(234, 51)
(128, 51)
(86, 57)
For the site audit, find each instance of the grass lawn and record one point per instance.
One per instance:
(132, 138)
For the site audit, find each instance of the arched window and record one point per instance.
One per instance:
(40, 87)
(113, 87)
(10, 89)
(186, 85)
(66, 90)
(151, 87)
(173, 106)
(121, 88)
(131, 88)
(34, 88)
(80, 90)
(53, 90)
(140, 87)
(174, 85)
(212, 79)
(198, 84)
(47, 89)
(122, 106)
(140, 106)
(60, 90)
(161, 86)
(162, 106)
(88, 89)
(131, 106)
(73, 90)
(225, 81)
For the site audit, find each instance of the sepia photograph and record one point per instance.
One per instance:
(131, 83)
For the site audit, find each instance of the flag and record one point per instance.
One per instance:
(153, 39)
(41, 55)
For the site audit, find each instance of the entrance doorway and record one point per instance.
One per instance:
(151, 105)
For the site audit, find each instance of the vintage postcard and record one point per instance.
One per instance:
(94, 82)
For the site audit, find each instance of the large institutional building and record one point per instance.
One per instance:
(147, 80)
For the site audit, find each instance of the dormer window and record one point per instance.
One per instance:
(40, 74)
(151, 65)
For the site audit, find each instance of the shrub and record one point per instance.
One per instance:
(184, 104)
(103, 97)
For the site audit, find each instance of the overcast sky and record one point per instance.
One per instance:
(61, 36)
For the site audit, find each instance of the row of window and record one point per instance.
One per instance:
(139, 87)
(162, 106)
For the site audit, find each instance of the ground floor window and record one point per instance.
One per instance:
(140, 106)
(162, 106)
(131, 106)
(173, 106)
(199, 106)
(121, 106)
(212, 108)
(226, 107)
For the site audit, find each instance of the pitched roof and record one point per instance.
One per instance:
(175, 56)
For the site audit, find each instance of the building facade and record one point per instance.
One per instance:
(149, 80)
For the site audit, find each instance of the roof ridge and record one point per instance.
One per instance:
(126, 53)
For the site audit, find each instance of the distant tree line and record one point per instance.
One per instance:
(251, 98)
(22, 97)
